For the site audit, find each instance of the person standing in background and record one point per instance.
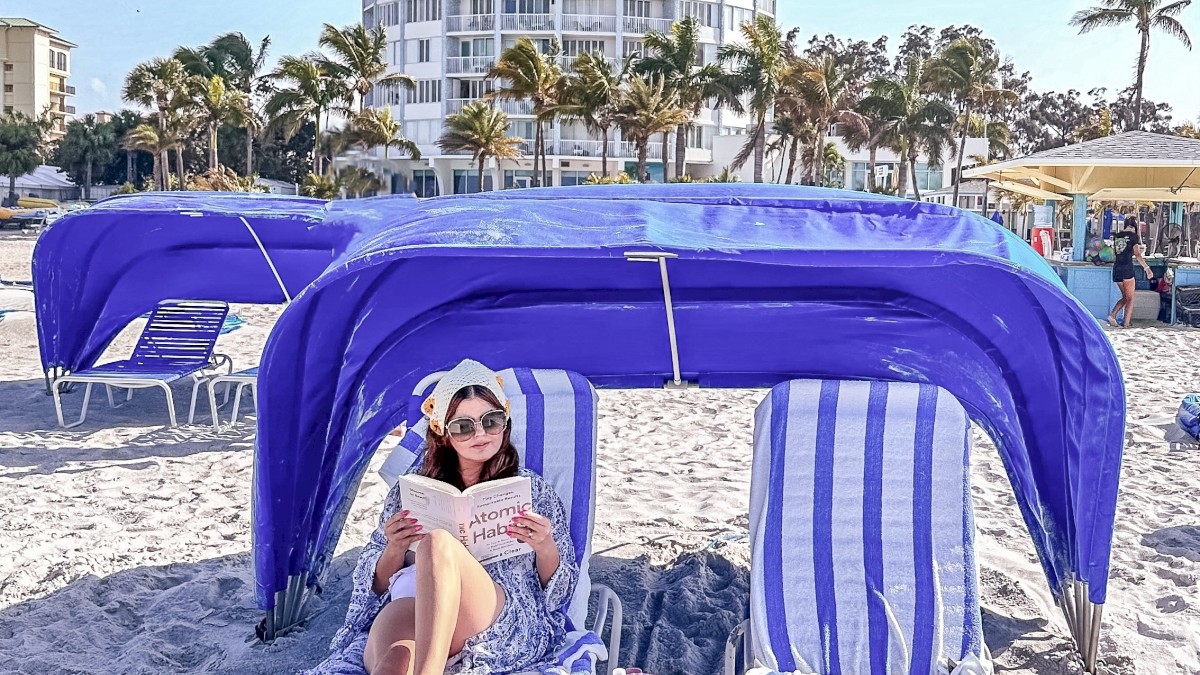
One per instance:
(1127, 246)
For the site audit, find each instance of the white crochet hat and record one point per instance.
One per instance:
(466, 374)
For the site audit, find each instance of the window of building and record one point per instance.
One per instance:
(483, 7)
(593, 7)
(735, 17)
(477, 47)
(521, 129)
(638, 8)
(424, 183)
(8, 67)
(766, 6)
(517, 179)
(8, 109)
(929, 178)
(466, 181)
(574, 177)
(700, 137)
(387, 14)
(542, 44)
(8, 88)
(423, 10)
(418, 51)
(527, 6)
(472, 88)
(705, 12)
(426, 91)
(577, 47)
(633, 47)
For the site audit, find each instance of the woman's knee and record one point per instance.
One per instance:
(439, 545)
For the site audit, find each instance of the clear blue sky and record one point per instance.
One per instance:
(114, 35)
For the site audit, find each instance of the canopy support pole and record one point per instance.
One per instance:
(1079, 226)
(288, 611)
(287, 297)
(661, 258)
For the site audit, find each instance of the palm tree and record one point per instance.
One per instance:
(86, 144)
(592, 94)
(828, 93)
(233, 58)
(758, 68)
(358, 58)
(913, 121)
(1147, 15)
(674, 57)
(163, 85)
(147, 138)
(20, 153)
(376, 128)
(967, 71)
(311, 92)
(481, 130)
(648, 108)
(216, 104)
(870, 134)
(529, 74)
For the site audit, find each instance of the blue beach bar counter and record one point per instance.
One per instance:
(1093, 286)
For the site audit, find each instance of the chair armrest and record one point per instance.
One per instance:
(605, 599)
(738, 638)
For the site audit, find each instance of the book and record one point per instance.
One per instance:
(478, 516)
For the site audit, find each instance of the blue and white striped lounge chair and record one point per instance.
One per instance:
(177, 342)
(554, 428)
(862, 533)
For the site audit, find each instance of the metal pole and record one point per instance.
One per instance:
(1089, 659)
(666, 282)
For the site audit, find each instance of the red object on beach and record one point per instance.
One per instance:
(1043, 241)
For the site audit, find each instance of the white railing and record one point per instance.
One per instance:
(469, 64)
(527, 146)
(527, 22)
(468, 23)
(518, 107)
(616, 149)
(589, 23)
(628, 150)
(568, 61)
(642, 25)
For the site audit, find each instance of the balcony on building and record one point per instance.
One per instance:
(471, 23)
(521, 107)
(469, 65)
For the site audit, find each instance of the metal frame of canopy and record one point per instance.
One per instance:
(288, 564)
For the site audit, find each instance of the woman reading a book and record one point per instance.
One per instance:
(455, 615)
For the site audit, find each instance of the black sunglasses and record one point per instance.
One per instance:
(463, 428)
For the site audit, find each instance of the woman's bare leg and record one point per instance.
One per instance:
(391, 643)
(456, 600)
(1127, 288)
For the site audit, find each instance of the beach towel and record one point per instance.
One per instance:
(1189, 415)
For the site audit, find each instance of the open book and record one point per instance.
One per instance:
(478, 515)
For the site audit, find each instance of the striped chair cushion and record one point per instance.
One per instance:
(862, 529)
(554, 430)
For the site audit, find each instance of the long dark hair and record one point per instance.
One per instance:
(441, 460)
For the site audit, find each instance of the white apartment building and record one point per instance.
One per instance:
(34, 67)
(449, 45)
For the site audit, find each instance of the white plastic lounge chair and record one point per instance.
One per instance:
(554, 430)
(239, 382)
(177, 342)
(862, 533)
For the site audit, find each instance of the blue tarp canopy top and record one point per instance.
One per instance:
(98, 268)
(770, 283)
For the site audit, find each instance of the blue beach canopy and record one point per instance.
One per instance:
(97, 269)
(770, 283)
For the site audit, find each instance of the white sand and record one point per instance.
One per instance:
(124, 545)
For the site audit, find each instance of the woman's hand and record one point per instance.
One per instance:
(401, 531)
(533, 529)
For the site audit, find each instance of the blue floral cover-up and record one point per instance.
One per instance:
(526, 635)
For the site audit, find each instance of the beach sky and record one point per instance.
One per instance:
(115, 35)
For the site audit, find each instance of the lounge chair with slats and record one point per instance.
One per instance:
(177, 342)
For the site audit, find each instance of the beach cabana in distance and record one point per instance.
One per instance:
(764, 284)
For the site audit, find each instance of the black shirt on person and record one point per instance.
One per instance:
(1123, 245)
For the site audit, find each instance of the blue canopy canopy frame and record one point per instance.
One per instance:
(97, 269)
(766, 284)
